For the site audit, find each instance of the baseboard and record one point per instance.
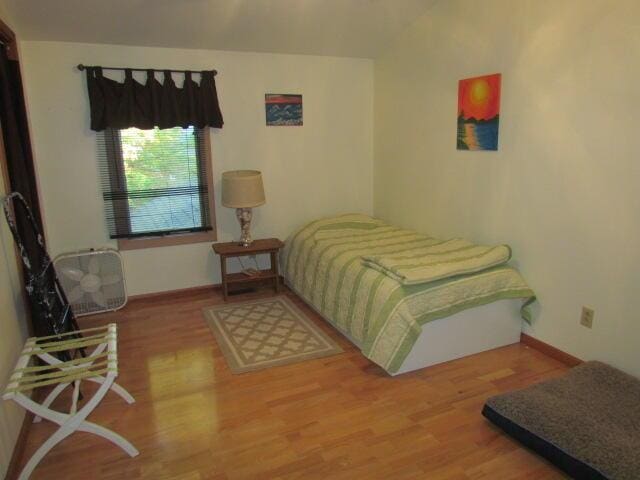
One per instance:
(550, 350)
(182, 291)
(177, 292)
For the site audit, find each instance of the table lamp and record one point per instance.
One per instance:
(243, 190)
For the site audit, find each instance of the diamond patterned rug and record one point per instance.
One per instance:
(264, 333)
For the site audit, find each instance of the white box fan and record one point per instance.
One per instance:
(93, 280)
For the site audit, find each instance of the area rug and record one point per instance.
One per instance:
(265, 333)
(587, 422)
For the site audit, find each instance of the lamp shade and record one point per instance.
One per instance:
(242, 189)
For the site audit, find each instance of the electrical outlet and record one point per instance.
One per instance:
(586, 319)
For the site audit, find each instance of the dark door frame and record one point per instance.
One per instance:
(8, 38)
(8, 41)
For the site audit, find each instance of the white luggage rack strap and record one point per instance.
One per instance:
(101, 366)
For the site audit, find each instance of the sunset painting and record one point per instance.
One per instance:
(283, 110)
(479, 112)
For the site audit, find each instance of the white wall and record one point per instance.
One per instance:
(13, 332)
(6, 14)
(563, 187)
(322, 168)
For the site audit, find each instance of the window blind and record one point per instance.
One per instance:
(154, 182)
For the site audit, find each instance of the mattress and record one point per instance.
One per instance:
(587, 422)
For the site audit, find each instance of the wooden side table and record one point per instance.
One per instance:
(234, 249)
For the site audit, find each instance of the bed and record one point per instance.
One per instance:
(337, 265)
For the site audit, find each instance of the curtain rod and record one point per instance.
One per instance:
(82, 67)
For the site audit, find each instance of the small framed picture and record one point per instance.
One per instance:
(283, 109)
(479, 112)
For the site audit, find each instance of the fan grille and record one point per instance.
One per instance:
(107, 266)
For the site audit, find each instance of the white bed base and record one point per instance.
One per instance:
(471, 331)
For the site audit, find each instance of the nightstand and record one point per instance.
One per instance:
(234, 249)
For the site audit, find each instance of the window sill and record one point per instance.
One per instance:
(166, 241)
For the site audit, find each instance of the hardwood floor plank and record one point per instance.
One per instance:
(339, 417)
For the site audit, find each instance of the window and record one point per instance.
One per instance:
(157, 186)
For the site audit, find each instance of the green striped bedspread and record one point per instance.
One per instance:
(323, 263)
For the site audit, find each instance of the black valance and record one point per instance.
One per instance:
(154, 104)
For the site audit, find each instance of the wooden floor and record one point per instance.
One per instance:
(339, 417)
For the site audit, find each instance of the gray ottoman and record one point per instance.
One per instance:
(587, 422)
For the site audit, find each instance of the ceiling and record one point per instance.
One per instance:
(350, 28)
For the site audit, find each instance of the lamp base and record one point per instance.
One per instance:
(244, 217)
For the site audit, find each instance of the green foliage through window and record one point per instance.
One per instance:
(162, 176)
